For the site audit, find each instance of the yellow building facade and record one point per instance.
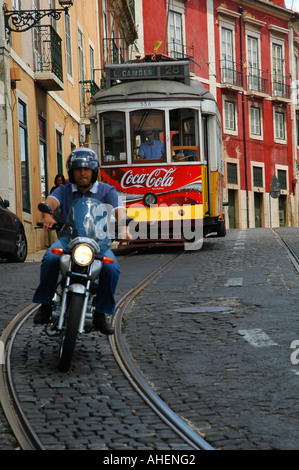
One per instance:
(47, 75)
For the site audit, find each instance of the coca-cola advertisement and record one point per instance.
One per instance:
(172, 184)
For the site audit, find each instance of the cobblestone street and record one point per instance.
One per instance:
(212, 334)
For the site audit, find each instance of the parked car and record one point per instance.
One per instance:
(13, 242)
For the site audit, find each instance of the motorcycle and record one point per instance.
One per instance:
(86, 235)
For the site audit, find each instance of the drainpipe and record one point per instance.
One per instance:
(243, 116)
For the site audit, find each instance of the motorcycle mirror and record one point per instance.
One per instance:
(45, 207)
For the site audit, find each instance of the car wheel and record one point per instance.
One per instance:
(20, 252)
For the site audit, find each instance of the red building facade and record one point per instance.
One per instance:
(246, 54)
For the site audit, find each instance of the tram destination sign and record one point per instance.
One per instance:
(171, 70)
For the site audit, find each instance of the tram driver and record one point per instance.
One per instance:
(151, 148)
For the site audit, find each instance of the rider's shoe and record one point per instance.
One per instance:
(100, 324)
(43, 314)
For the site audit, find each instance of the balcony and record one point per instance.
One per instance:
(257, 80)
(231, 73)
(48, 58)
(115, 50)
(281, 88)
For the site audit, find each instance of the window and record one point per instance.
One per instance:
(16, 4)
(24, 156)
(277, 69)
(295, 82)
(258, 177)
(255, 121)
(176, 35)
(229, 116)
(253, 63)
(184, 135)
(227, 55)
(279, 125)
(81, 69)
(43, 157)
(282, 178)
(68, 45)
(113, 133)
(91, 62)
(105, 27)
(148, 134)
(59, 152)
(53, 6)
(232, 173)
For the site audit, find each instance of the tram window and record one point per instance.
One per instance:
(148, 135)
(113, 137)
(184, 138)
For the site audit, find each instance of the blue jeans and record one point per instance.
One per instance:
(49, 271)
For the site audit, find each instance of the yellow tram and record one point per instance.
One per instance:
(158, 134)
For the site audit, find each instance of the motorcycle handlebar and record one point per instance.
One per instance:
(41, 225)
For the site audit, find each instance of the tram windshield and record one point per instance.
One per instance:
(147, 136)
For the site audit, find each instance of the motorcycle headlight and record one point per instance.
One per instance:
(83, 255)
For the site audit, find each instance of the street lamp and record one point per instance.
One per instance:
(19, 21)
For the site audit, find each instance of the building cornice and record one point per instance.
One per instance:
(269, 7)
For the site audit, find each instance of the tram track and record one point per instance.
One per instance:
(288, 249)
(21, 427)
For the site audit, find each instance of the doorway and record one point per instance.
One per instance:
(258, 209)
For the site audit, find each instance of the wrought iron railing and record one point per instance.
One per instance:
(231, 73)
(48, 55)
(257, 80)
(177, 50)
(281, 86)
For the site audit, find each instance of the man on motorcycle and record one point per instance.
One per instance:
(83, 168)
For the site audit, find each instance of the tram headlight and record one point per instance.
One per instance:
(83, 255)
(149, 199)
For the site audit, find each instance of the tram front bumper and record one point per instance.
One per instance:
(170, 225)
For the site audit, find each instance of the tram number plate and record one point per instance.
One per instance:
(172, 70)
(163, 71)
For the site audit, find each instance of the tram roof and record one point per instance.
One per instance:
(153, 89)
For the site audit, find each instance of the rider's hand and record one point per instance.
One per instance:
(48, 221)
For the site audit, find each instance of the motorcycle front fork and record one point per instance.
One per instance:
(86, 320)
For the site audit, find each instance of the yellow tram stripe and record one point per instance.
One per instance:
(163, 213)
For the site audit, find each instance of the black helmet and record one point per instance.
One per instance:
(83, 158)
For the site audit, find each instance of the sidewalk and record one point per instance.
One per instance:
(35, 257)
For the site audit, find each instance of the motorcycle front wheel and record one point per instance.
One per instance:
(70, 331)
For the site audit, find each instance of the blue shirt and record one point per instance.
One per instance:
(65, 195)
(154, 150)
